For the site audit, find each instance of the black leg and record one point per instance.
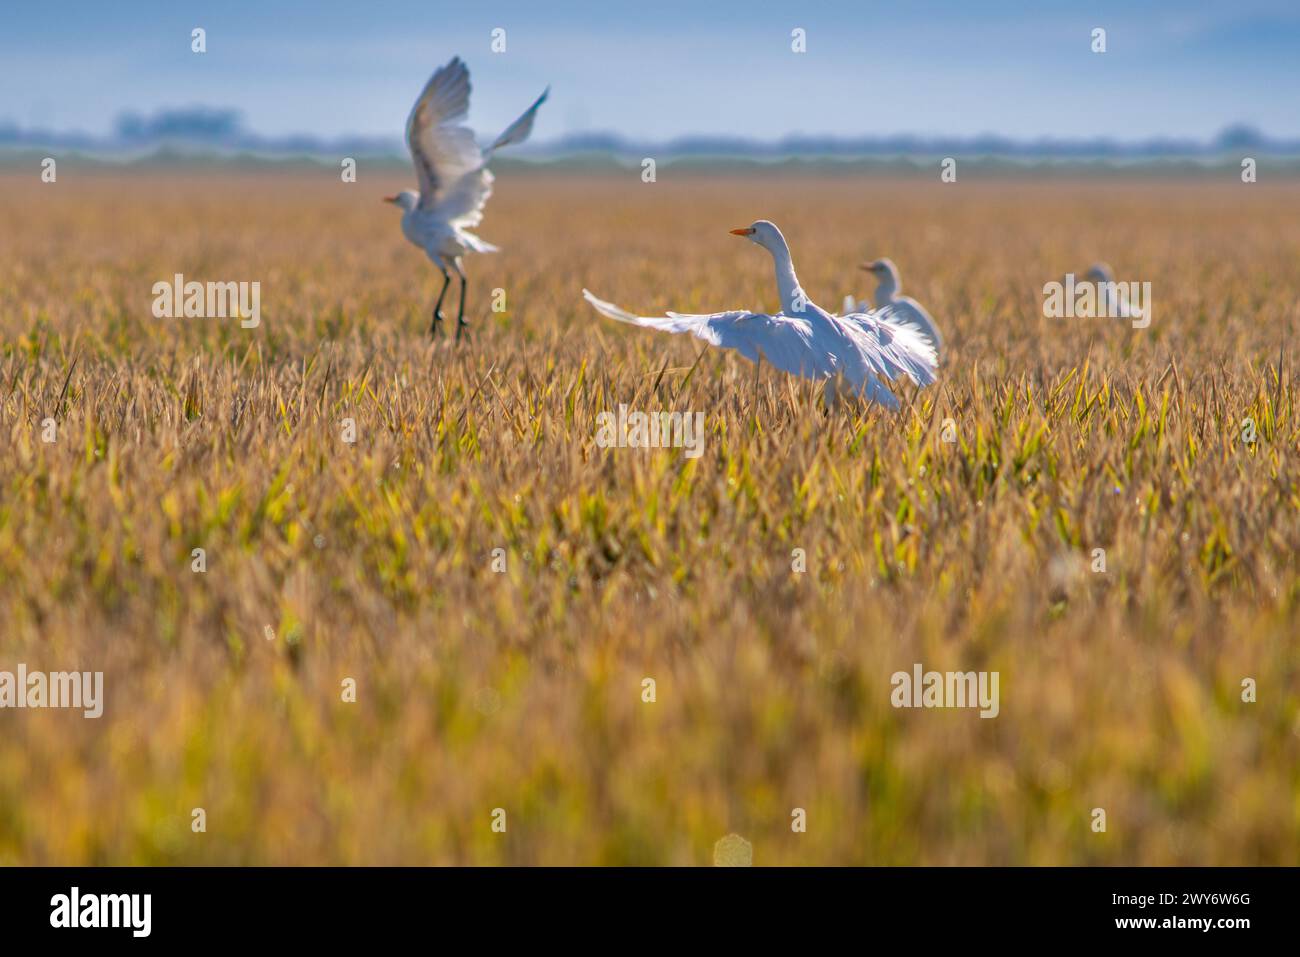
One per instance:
(461, 324)
(437, 309)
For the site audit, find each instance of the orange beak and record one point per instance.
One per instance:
(743, 231)
(390, 199)
(869, 267)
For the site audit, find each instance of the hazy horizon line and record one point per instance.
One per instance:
(219, 129)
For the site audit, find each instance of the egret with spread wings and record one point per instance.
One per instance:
(804, 339)
(455, 182)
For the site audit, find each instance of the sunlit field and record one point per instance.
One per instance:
(524, 690)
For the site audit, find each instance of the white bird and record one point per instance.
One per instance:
(803, 338)
(888, 287)
(1112, 300)
(455, 182)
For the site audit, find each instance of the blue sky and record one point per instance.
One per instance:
(663, 68)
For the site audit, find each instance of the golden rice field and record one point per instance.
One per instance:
(522, 690)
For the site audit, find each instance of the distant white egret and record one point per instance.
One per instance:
(803, 338)
(455, 182)
(1112, 300)
(888, 288)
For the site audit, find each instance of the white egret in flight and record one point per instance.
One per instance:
(888, 287)
(455, 182)
(804, 339)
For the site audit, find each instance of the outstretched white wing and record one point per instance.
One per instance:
(464, 202)
(784, 341)
(913, 312)
(520, 129)
(893, 343)
(444, 151)
(904, 310)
